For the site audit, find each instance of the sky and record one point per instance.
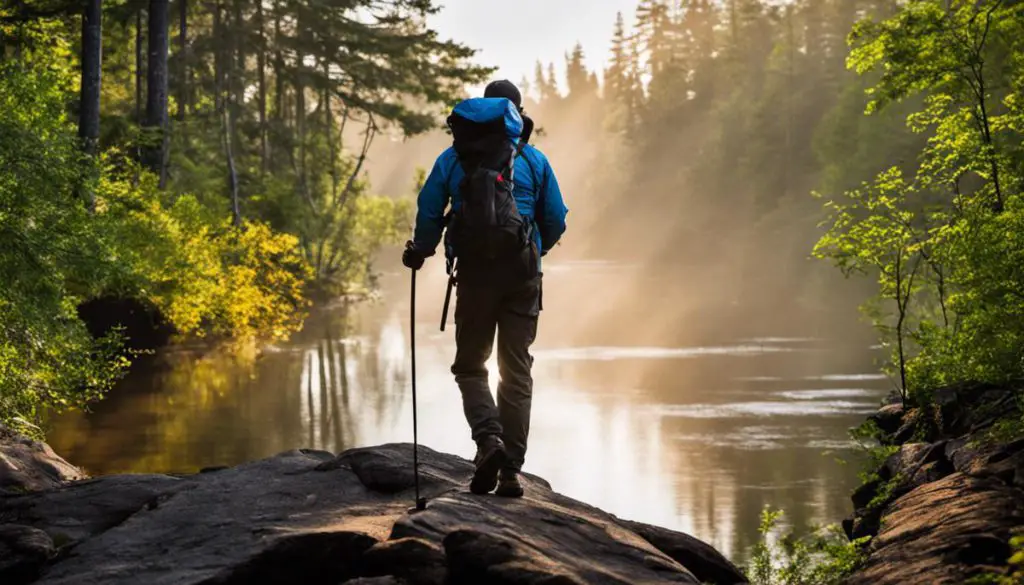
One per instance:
(514, 35)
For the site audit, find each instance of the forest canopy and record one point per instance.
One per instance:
(203, 160)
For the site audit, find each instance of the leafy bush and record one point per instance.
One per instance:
(203, 274)
(49, 253)
(823, 558)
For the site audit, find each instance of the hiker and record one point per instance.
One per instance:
(493, 252)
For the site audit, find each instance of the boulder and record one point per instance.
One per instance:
(889, 418)
(950, 505)
(417, 561)
(24, 552)
(707, 564)
(27, 465)
(1002, 461)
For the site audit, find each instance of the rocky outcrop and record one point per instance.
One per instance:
(944, 506)
(27, 465)
(314, 518)
(24, 551)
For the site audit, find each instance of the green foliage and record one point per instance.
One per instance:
(866, 435)
(943, 240)
(49, 253)
(205, 276)
(874, 231)
(825, 557)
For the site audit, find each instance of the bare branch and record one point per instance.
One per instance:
(371, 132)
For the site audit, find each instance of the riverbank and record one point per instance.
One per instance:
(944, 506)
(312, 517)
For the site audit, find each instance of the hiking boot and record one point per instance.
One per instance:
(490, 457)
(509, 485)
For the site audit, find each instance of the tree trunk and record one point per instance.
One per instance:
(236, 211)
(139, 73)
(218, 61)
(328, 123)
(991, 150)
(92, 48)
(261, 65)
(279, 87)
(92, 59)
(236, 67)
(300, 125)
(183, 84)
(156, 88)
(221, 94)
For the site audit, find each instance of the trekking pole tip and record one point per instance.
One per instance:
(421, 505)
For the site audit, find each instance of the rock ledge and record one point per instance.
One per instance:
(946, 503)
(314, 518)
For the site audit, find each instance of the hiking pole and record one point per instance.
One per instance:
(421, 503)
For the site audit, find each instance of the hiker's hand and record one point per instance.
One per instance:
(411, 257)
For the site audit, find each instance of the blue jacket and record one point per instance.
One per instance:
(536, 190)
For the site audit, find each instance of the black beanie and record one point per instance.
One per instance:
(504, 88)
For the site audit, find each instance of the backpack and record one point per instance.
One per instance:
(488, 232)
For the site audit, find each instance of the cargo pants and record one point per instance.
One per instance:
(510, 309)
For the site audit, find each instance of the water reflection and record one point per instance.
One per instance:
(697, 437)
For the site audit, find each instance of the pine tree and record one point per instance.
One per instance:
(541, 83)
(552, 82)
(615, 76)
(156, 89)
(576, 75)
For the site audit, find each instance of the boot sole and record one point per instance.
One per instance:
(485, 478)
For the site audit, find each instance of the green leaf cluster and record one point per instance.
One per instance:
(825, 557)
(50, 253)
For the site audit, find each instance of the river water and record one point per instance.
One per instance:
(681, 418)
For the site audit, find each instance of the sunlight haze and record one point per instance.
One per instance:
(514, 36)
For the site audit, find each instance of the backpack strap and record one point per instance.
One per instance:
(538, 207)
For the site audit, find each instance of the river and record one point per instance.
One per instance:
(663, 418)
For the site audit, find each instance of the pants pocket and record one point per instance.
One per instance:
(526, 299)
(531, 261)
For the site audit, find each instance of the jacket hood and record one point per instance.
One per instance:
(483, 110)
